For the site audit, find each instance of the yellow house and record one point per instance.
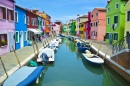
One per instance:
(127, 22)
(82, 19)
(82, 30)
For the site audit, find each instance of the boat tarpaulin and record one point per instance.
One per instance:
(24, 76)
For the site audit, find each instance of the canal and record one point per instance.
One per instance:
(70, 69)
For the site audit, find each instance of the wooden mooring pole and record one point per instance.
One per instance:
(4, 67)
(16, 57)
(99, 48)
(33, 47)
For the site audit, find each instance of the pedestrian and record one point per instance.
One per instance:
(104, 39)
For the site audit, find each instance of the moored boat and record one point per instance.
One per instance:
(46, 55)
(25, 76)
(93, 59)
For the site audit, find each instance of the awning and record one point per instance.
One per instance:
(35, 31)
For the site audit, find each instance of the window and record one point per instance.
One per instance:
(32, 22)
(91, 24)
(96, 23)
(2, 13)
(108, 9)
(81, 32)
(10, 15)
(96, 34)
(107, 35)
(96, 14)
(43, 23)
(25, 36)
(117, 6)
(128, 15)
(25, 21)
(115, 36)
(16, 16)
(17, 37)
(92, 16)
(108, 21)
(115, 19)
(3, 40)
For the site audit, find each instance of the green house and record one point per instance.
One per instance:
(115, 20)
(73, 27)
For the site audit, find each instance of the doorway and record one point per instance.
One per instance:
(21, 39)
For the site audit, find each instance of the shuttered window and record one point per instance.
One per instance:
(2, 13)
(3, 39)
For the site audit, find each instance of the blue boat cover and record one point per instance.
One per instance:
(24, 76)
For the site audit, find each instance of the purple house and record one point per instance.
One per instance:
(7, 26)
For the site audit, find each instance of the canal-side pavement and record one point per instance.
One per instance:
(24, 54)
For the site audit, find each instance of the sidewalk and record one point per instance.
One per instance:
(24, 54)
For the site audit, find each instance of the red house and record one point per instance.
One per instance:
(32, 24)
(87, 28)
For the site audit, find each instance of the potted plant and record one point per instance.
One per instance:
(3, 42)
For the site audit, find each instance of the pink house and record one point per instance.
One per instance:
(55, 29)
(98, 24)
(7, 26)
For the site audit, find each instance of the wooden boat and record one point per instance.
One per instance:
(46, 55)
(93, 59)
(25, 76)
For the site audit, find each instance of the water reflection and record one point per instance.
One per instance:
(97, 70)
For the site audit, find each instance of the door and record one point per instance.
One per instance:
(111, 38)
(11, 41)
(21, 39)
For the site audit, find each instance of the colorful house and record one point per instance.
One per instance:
(7, 26)
(20, 27)
(64, 28)
(32, 24)
(73, 27)
(98, 24)
(55, 29)
(82, 20)
(59, 23)
(87, 27)
(127, 22)
(115, 20)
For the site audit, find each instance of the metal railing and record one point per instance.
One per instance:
(120, 45)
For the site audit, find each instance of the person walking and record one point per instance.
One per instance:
(104, 39)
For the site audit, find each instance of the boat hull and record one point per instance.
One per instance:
(93, 63)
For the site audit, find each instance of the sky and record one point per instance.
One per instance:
(63, 10)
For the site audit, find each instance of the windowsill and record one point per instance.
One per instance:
(3, 46)
(3, 19)
(10, 20)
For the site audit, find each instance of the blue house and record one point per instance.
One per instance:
(20, 27)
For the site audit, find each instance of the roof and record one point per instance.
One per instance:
(100, 9)
(111, 0)
(12, 0)
(84, 16)
(20, 7)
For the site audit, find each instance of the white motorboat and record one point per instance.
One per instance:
(52, 47)
(54, 43)
(92, 58)
(46, 55)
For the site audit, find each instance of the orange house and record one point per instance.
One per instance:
(98, 24)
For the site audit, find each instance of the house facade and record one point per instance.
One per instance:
(55, 29)
(87, 27)
(82, 20)
(20, 27)
(7, 26)
(73, 27)
(32, 24)
(98, 24)
(127, 17)
(116, 11)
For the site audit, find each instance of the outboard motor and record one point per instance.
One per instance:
(44, 57)
(78, 44)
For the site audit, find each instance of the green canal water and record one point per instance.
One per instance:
(71, 69)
